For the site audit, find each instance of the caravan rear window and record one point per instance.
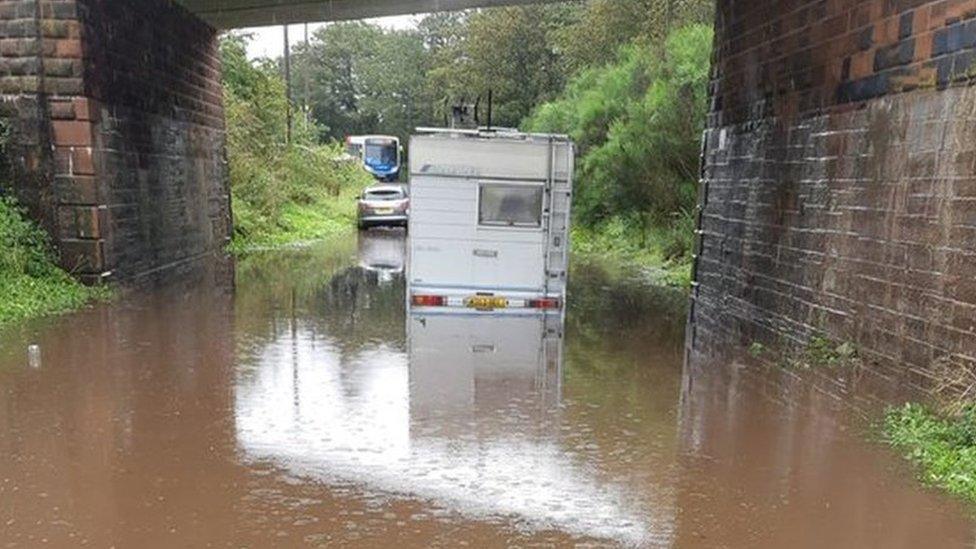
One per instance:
(510, 205)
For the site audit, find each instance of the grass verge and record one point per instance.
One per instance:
(302, 194)
(662, 254)
(320, 219)
(31, 284)
(943, 447)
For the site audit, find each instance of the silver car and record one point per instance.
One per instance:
(384, 205)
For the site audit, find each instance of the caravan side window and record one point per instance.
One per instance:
(510, 205)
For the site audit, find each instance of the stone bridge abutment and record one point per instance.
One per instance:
(116, 131)
(839, 179)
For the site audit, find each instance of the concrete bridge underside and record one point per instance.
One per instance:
(228, 14)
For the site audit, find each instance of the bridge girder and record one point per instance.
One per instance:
(230, 14)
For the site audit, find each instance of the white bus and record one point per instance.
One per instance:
(489, 221)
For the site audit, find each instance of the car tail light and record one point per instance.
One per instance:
(544, 303)
(428, 300)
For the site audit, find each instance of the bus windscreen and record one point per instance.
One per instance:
(384, 153)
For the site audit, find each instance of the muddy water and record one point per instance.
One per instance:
(305, 408)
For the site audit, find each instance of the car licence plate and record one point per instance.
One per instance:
(383, 211)
(486, 303)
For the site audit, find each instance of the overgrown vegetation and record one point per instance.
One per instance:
(661, 252)
(31, 284)
(942, 446)
(638, 124)
(282, 191)
(940, 437)
(625, 78)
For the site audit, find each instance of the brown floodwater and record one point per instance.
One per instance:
(301, 406)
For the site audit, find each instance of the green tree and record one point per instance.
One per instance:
(638, 122)
(365, 80)
(254, 99)
(394, 84)
(508, 51)
(602, 26)
(337, 59)
(443, 35)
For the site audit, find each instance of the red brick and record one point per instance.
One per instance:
(68, 47)
(85, 109)
(72, 133)
(862, 64)
(74, 161)
(82, 161)
(62, 110)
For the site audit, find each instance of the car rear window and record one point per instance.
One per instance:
(384, 195)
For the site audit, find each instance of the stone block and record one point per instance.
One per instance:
(80, 222)
(71, 133)
(68, 48)
(72, 189)
(80, 256)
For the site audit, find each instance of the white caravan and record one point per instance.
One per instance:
(489, 221)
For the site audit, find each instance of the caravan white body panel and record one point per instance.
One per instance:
(489, 213)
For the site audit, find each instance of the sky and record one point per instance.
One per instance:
(269, 42)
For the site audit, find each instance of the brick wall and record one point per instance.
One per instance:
(119, 134)
(839, 179)
(34, 36)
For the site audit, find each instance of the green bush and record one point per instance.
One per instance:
(638, 125)
(663, 251)
(25, 246)
(31, 284)
(277, 200)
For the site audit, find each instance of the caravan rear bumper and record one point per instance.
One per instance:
(482, 300)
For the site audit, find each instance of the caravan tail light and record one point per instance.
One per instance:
(544, 303)
(428, 300)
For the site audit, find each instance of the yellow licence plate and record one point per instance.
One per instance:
(383, 211)
(486, 303)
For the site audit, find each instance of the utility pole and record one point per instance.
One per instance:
(287, 85)
(306, 76)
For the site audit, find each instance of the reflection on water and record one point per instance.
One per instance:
(383, 252)
(470, 418)
(308, 409)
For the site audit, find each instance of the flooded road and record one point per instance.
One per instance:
(304, 408)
